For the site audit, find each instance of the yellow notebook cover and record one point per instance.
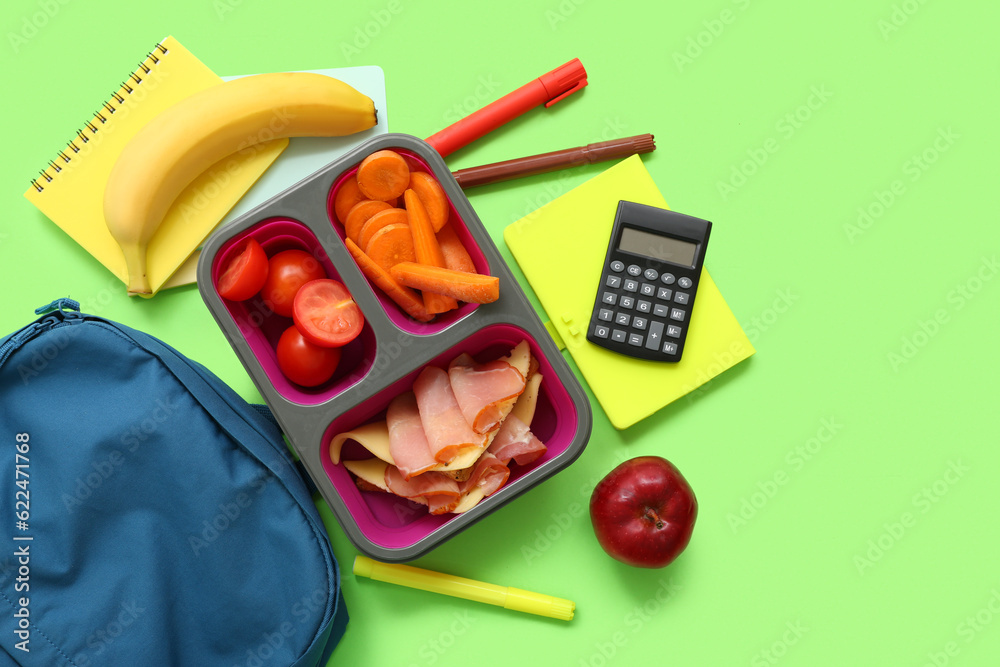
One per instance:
(70, 190)
(561, 248)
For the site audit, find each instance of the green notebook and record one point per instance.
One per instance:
(578, 224)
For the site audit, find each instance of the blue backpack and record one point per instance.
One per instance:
(150, 516)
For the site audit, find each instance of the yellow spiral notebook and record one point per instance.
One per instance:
(70, 190)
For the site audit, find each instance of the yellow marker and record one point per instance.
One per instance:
(447, 584)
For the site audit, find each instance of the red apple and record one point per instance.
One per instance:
(643, 512)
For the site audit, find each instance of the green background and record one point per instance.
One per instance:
(845, 473)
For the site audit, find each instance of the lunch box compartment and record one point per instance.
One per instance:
(395, 313)
(394, 522)
(261, 327)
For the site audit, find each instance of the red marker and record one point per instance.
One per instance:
(547, 89)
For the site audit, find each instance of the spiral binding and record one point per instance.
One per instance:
(100, 118)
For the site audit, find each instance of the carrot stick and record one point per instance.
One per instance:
(460, 285)
(381, 220)
(347, 196)
(425, 242)
(404, 297)
(383, 175)
(426, 249)
(432, 196)
(456, 257)
(391, 245)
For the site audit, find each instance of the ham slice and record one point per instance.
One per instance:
(485, 392)
(407, 441)
(489, 475)
(516, 441)
(441, 504)
(448, 434)
(428, 485)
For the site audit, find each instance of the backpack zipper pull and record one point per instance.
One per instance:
(60, 310)
(60, 305)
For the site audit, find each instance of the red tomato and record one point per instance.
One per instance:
(326, 314)
(245, 274)
(304, 363)
(287, 272)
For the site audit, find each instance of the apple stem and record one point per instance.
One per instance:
(654, 517)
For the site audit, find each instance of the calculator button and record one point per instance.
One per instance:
(631, 285)
(601, 331)
(662, 293)
(635, 339)
(605, 315)
(609, 298)
(639, 323)
(670, 348)
(667, 279)
(623, 319)
(614, 281)
(647, 289)
(660, 311)
(681, 298)
(642, 306)
(626, 302)
(673, 332)
(634, 270)
(650, 274)
(618, 336)
(684, 282)
(617, 266)
(677, 314)
(655, 335)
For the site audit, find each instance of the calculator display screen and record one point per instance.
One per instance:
(663, 248)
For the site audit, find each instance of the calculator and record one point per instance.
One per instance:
(648, 282)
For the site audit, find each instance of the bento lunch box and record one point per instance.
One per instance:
(392, 349)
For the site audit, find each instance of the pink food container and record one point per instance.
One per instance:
(392, 349)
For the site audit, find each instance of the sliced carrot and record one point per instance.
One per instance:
(456, 257)
(391, 245)
(404, 297)
(432, 196)
(359, 215)
(460, 285)
(347, 196)
(383, 175)
(426, 248)
(390, 216)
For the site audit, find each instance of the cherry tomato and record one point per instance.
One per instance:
(245, 274)
(326, 314)
(287, 272)
(304, 363)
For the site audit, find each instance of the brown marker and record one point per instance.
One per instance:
(540, 164)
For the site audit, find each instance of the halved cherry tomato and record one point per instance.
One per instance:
(326, 314)
(287, 272)
(304, 363)
(245, 274)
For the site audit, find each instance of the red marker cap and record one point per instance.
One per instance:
(563, 81)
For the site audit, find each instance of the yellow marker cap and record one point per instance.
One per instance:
(542, 605)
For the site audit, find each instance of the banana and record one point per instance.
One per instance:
(173, 149)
